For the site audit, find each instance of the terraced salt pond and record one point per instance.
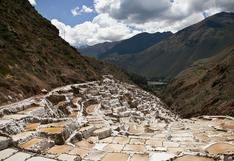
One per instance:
(109, 121)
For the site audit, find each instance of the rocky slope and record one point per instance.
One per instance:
(96, 50)
(34, 57)
(171, 56)
(207, 87)
(135, 44)
(108, 120)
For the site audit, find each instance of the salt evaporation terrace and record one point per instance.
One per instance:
(109, 121)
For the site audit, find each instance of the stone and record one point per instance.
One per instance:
(4, 142)
(44, 91)
(75, 90)
(107, 140)
(7, 153)
(102, 133)
(193, 158)
(65, 108)
(23, 136)
(20, 156)
(77, 136)
(15, 117)
(55, 133)
(87, 131)
(33, 111)
(56, 98)
(116, 156)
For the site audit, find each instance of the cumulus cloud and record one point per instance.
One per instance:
(84, 9)
(33, 2)
(119, 19)
(139, 11)
(101, 29)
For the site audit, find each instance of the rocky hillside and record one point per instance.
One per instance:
(34, 57)
(207, 87)
(96, 50)
(171, 56)
(135, 44)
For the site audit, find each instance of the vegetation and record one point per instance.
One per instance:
(208, 91)
(34, 57)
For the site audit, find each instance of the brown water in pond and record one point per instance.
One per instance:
(30, 143)
(136, 129)
(193, 158)
(228, 125)
(220, 148)
(90, 109)
(57, 124)
(59, 149)
(52, 130)
(32, 127)
(116, 156)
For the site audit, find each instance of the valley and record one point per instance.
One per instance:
(134, 96)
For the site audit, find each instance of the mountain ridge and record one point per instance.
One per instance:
(136, 43)
(172, 55)
(97, 49)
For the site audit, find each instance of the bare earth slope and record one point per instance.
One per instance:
(207, 87)
(34, 57)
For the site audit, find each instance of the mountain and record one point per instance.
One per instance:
(206, 88)
(169, 57)
(95, 50)
(135, 44)
(34, 57)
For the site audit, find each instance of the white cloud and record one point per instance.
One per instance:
(103, 28)
(33, 2)
(139, 11)
(84, 9)
(75, 11)
(120, 19)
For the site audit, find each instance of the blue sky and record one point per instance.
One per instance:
(88, 22)
(61, 10)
